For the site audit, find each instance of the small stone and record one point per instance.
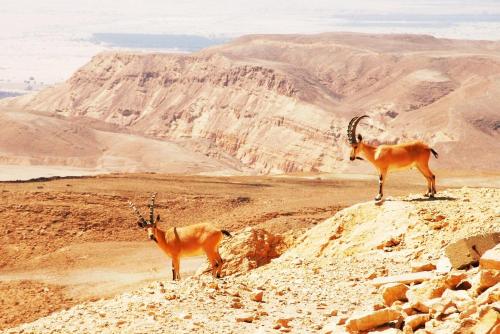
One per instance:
(418, 266)
(392, 292)
(170, 297)
(404, 279)
(237, 305)
(488, 278)
(368, 320)
(245, 317)
(415, 321)
(284, 322)
(257, 296)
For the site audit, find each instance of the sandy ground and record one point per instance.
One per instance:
(70, 240)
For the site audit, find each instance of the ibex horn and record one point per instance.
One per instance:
(351, 128)
(151, 208)
(138, 214)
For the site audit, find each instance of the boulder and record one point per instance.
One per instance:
(368, 320)
(468, 251)
(247, 250)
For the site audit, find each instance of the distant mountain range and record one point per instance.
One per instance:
(267, 104)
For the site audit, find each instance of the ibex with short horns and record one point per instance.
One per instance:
(179, 242)
(392, 157)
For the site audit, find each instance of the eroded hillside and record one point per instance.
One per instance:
(310, 288)
(280, 103)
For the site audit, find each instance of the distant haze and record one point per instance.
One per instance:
(48, 40)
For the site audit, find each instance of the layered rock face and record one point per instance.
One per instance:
(282, 103)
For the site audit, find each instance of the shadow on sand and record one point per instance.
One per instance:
(420, 199)
(436, 198)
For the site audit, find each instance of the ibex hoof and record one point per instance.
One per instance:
(378, 198)
(427, 195)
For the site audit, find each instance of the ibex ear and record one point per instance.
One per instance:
(140, 224)
(360, 138)
(158, 218)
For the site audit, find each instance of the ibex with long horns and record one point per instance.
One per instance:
(179, 242)
(392, 157)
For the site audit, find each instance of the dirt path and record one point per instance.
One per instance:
(92, 270)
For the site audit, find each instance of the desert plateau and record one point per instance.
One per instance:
(310, 180)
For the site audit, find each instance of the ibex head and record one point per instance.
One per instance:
(150, 224)
(351, 134)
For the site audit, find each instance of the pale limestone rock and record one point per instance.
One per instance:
(491, 258)
(443, 265)
(418, 266)
(245, 317)
(404, 279)
(370, 320)
(460, 298)
(488, 278)
(467, 251)
(486, 322)
(489, 296)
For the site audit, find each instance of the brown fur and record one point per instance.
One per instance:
(190, 240)
(397, 157)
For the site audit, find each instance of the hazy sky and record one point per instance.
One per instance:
(50, 38)
(228, 17)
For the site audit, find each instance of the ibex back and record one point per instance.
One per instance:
(179, 242)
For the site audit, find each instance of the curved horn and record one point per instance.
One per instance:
(352, 139)
(353, 130)
(151, 208)
(138, 214)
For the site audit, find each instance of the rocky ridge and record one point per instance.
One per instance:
(317, 285)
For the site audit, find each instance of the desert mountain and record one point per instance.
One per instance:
(280, 103)
(33, 139)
